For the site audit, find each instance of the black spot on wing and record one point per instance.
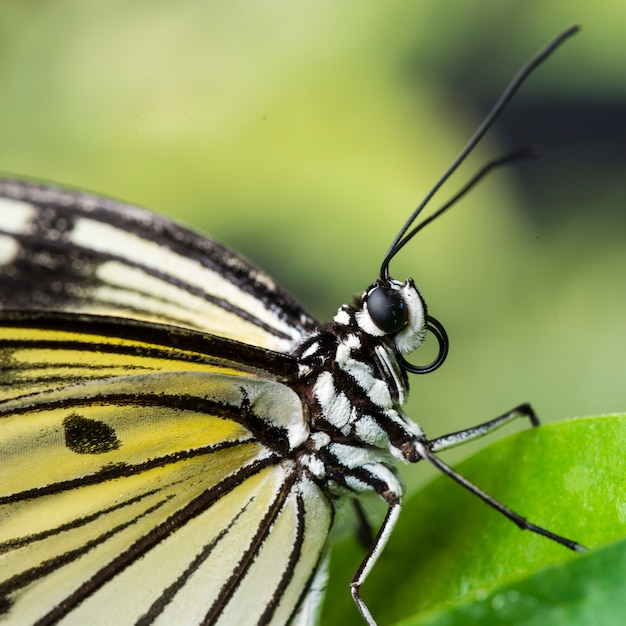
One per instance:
(87, 436)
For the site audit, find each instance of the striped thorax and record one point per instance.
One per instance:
(355, 388)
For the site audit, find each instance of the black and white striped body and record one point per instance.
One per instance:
(355, 389)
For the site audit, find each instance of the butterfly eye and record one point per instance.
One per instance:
(387, 309)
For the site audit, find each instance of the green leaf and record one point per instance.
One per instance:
(584, 591)
(449, 551)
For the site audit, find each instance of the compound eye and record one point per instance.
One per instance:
(387, 309)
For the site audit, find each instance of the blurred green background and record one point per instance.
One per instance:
(303, 134)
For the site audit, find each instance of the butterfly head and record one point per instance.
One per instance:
(397, 310)
(394, 309)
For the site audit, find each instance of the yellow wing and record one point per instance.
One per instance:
(143, 479)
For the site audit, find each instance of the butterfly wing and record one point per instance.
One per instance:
(143, 458)
(69, 251)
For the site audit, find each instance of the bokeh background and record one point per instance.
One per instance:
(304, 133)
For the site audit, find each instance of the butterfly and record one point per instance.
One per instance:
(176, 430)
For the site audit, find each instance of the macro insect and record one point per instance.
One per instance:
(175, 429)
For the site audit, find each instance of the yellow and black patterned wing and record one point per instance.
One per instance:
(69, 251)
(143, 479)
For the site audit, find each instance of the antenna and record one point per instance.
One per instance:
(402, 238)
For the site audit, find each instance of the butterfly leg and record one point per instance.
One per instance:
(372, 556)
(452, 440)
(422, 449)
